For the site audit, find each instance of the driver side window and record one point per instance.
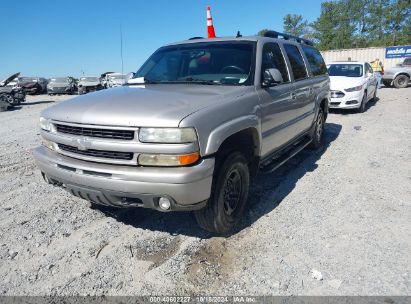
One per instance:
(273, 58)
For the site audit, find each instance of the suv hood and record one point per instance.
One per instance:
(156, 105)
(342, 82)
(9, 79)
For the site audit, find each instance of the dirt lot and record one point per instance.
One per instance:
(332, 222)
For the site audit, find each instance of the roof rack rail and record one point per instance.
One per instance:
(274, 34)
(194, 38)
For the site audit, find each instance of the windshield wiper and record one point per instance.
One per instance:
(201, 81)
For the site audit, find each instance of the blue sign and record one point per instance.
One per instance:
(398, 51)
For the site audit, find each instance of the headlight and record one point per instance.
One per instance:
(45, 124)
(167, 135)
(359, 88)
(168, 160)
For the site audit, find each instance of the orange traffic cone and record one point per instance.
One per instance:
(210, 27)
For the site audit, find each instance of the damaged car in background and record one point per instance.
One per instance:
(61, 85)
(104, 79)
(116, 80)
(33, 85)
(89, 84)
(10, 93)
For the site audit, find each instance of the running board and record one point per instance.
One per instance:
(275, 163)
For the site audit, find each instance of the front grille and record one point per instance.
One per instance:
(96, 132)
(98, 153)
(337, 94)
(335, 103)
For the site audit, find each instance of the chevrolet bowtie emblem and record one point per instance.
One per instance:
(82, 144)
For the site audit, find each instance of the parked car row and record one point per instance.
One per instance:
(66, 85)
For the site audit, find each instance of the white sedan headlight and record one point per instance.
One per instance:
(167, 135)
(358, 88)
(45, 124)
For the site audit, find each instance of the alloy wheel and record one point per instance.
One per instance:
(232, 192)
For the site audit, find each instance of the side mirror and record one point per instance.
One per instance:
(271, 77)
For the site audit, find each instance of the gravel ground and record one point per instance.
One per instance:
(330, 222)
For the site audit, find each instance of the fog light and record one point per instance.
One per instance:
(164, 203)
(48, 144)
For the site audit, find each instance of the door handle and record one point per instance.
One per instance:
(311, 90)
(293, 96)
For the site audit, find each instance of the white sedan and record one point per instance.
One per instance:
(353, 84)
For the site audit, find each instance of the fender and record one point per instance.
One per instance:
(324, 94)
(225, 130)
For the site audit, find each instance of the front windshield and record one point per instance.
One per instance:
(117, 77)
(59, 80)
(90, 79)
(27, 79)
(220, 63)
(347, 70)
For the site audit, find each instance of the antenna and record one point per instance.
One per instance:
(121, 49)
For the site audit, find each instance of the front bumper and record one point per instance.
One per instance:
(87, 89)
(351, 100)
(188, 188)
(58, 90)
(388, 78)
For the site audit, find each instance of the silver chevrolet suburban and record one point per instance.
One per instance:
(198, 120)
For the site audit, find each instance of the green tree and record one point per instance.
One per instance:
(333, 29)
(399, 22)
(355, 23)
(295, 25)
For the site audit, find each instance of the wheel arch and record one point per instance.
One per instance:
(236, 136)
(402, 73)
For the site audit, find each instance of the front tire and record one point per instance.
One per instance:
(401, 81)
(10, 99)
(229, 195)
(361, 109)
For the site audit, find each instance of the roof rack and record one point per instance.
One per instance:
(274, 34)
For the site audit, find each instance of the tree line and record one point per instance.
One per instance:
(354, 24)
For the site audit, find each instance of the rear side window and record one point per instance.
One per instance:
(296, 61)
(315, 60)
(273, 58)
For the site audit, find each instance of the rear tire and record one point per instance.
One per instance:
(317, 137)
(229, 195)
(401, 81)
